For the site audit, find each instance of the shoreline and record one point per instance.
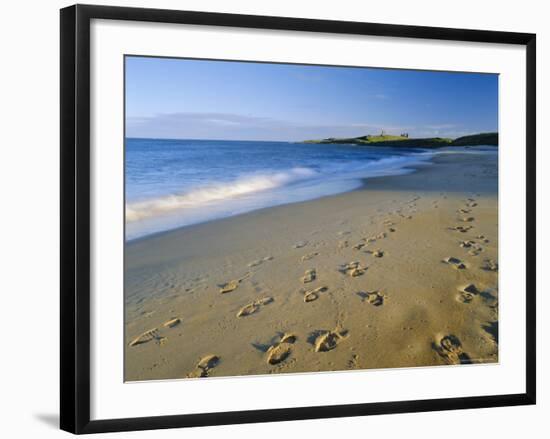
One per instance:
(177, 276)
(366, 182)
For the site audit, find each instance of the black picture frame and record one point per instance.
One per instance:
(75, 217)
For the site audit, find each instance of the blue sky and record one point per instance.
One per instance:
(194, 99)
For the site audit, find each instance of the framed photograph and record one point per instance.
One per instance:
(268, 218)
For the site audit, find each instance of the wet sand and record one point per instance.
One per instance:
(401, 273)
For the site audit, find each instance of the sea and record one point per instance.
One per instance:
(176, 183)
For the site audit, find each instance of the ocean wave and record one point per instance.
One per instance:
(477, 150)
(269, 187)
(392, 165)
(216, 192)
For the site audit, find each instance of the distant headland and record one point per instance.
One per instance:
(383, 139)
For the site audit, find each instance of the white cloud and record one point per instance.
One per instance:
(230, 126)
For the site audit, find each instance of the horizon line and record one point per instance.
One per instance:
(299, 141)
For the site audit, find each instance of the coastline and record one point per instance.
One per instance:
(176, 276)
(198, 195)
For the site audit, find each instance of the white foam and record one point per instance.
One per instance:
(216, 192)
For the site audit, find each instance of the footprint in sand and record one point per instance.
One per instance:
(461, 229)
(343, 244)
(311, 295)
(359, 246)
(300, 244)
(281, 350)
(147, 336)
(373, 297)
(353, 362)
(463, 297)
(467, 219)
(260, 261)
(205, 365)
(455, 262)
(376, 253)
(154, 335)
(491, 328)
(467, 294)
(464, 211)
(232, 284)
(309, 276)
(309, 256)
(328, 340)
(490, 299)
(353, 269)
(391, 229)
(251, 308)
(489, 265)
(476, 250)
(172, 322)
(483, 238)
(450, 348)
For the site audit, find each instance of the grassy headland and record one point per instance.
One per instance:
(490, 139)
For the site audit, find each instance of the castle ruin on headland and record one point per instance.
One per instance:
(383, 133)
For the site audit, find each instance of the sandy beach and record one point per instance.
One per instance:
(400, 273)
